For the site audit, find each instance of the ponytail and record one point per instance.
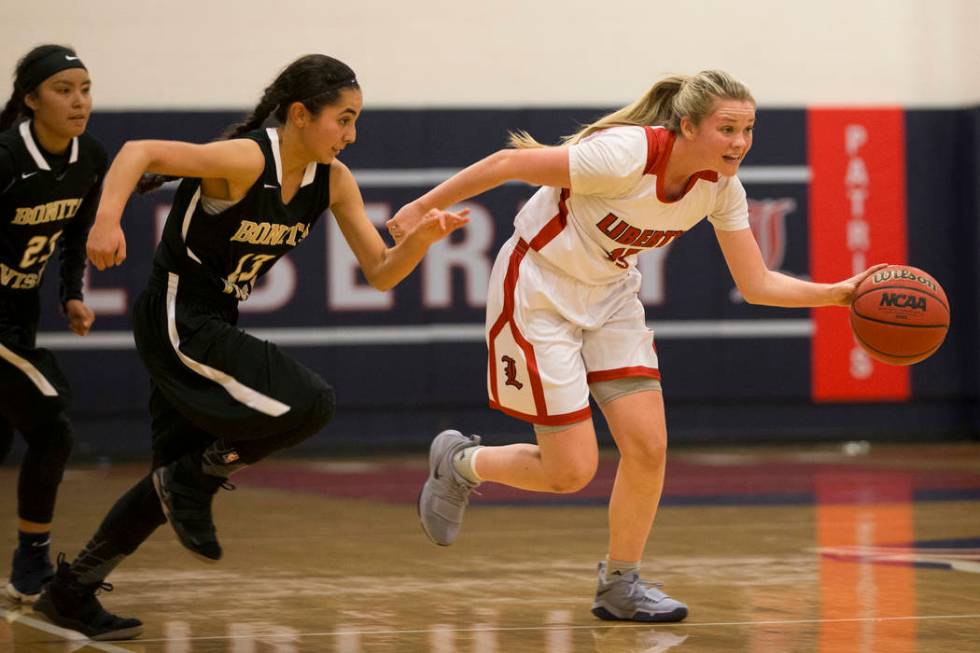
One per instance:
(150, 182)
(667, 101)
(13, 109)
(261, 113)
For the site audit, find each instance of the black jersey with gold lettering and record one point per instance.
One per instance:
(227, 251)
(46, 200)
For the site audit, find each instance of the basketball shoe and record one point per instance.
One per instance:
(186, 494)
(627, 598)
(70, 604)
(446, 493)
(30, 572)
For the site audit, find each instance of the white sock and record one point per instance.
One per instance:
(620, 567)
(465, 463)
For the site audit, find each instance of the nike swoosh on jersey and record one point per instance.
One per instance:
(270, 186)
(70, 58)
(25, 175)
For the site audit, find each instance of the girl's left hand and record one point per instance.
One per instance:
(843, 291)
(437, 224)
(406, 219)
(80, 316)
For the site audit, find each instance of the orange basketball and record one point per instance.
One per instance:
(900, 315)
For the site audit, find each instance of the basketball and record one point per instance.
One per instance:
(900, 315)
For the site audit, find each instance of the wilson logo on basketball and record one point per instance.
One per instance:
(903, 301)
(901, 274)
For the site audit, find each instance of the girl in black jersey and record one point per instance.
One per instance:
(51, 173)
(222, 399)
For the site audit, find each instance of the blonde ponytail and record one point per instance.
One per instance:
(664, 105)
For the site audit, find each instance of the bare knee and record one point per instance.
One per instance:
(572, 477)
(648, 451)
(569, 454)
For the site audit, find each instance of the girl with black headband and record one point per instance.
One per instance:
(51, 173)
(221, 398)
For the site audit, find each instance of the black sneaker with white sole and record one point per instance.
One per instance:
(67, 603)
(30, 571)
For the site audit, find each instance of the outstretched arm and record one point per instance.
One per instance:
(239, 161)
(384, 267)
(546, 166)
(760, 285)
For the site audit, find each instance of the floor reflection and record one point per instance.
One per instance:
(775, 550)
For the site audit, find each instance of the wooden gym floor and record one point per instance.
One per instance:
(827, 549)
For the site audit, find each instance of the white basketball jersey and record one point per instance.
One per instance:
(616, 208)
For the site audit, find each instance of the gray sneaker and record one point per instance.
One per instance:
(445, 495)
(627, 598)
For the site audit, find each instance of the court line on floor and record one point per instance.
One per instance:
(73, 636)
(550, 627)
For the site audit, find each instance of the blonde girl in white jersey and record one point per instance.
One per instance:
(564, 318)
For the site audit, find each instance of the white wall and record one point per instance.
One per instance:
(454, 53)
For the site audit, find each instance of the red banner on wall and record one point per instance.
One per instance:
(857, 218)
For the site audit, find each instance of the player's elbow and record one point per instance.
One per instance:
(135, 148)
(503, 165)
(382, 285)
(137, 154)
(379, 279)
(751, 296)
(754, 287)
(752, 291)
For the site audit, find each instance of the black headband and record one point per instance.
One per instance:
(333, 86)
(54, 62)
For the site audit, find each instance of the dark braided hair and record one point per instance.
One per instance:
(316, 80)
(16, 107)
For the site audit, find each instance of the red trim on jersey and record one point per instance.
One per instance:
(507, 317)
(547, 420)
(555, 225)
(660, 143)
(622, 373)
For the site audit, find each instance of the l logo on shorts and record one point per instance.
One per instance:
(510, 371)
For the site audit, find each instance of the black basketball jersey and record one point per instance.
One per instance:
(227, 252)
(46, 200)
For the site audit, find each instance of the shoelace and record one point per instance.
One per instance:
(644, 585)
(459, 494)
(61, 561)
(104, 587)
(95, 588)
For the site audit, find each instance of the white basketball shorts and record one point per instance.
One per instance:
(549, 336)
